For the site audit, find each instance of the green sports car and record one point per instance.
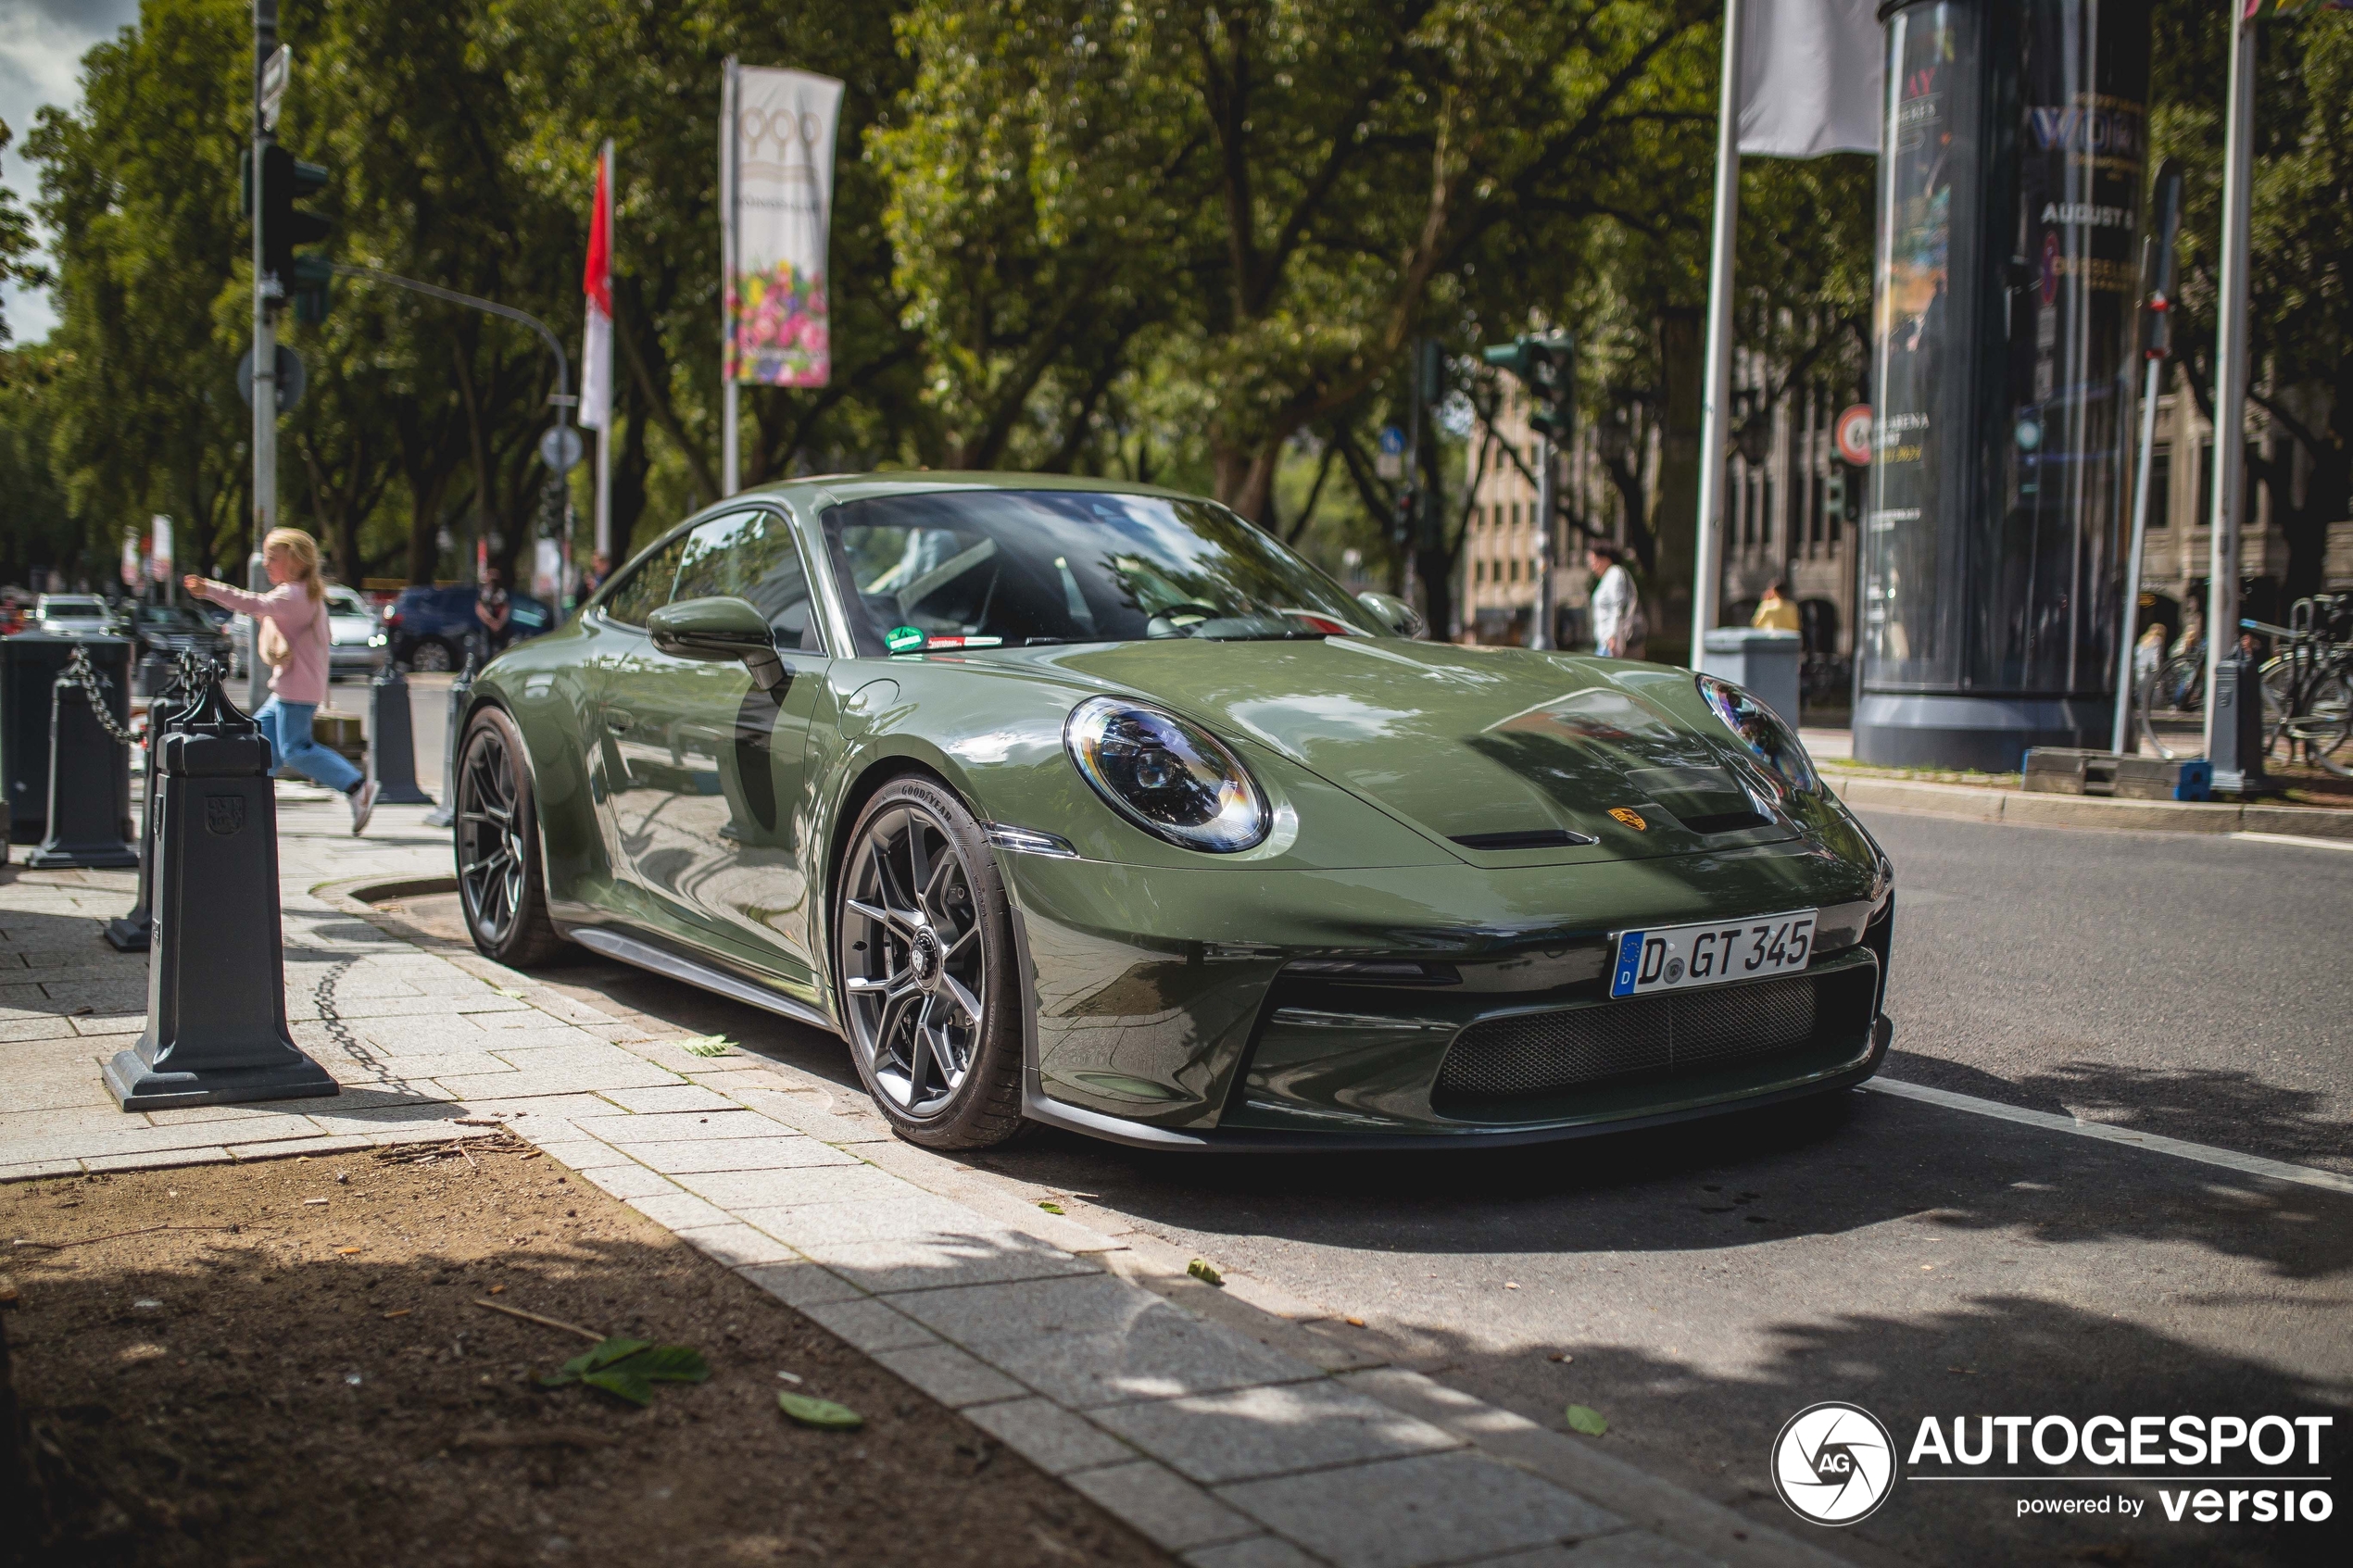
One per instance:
(1091, 805)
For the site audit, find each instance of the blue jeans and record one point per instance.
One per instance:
(287, 726)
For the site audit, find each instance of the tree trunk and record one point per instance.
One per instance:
(1675, 507)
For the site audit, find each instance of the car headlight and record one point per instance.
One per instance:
(1167, 776)
(1772, 741)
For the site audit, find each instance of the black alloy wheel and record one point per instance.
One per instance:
(497, 831)
(431, 655)
(923, 938)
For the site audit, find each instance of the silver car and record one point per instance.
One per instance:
(73, 615)
(352, 624)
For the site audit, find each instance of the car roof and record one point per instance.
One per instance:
(821, 488)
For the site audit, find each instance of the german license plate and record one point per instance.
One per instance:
(1681, 956)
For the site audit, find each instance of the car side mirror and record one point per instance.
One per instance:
(717, 629)
(1395, 613)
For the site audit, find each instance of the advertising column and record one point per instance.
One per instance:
(2008, 219)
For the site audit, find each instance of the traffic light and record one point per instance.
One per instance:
(1835, 494)
(285, 181)
(1546, 363)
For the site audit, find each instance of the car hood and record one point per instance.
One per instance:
(1466, 742)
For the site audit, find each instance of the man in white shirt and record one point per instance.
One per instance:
(1618, 631)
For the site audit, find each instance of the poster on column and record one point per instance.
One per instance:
(781, 154)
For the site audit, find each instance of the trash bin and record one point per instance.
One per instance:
(1765, 663)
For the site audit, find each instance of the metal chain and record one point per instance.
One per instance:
(79, 672)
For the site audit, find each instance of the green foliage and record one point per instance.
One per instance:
(1586, 1419)
(823, 1413)
(629, 1368)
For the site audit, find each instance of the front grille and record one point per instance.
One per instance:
(1678, 1035)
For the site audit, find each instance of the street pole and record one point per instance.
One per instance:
(727, 453)
(1716, 410)
(267, 290)
(1547, 508)
(2230, 419)
(2165, 228)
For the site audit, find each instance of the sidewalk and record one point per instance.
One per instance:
(1223, 1424)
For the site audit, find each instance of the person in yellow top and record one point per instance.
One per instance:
(1776, 611)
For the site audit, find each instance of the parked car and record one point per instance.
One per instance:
(353, 624)
(1092, 805)
(431, 628)
(172, 630)
(73, 615)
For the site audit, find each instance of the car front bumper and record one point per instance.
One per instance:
(1203, 1008)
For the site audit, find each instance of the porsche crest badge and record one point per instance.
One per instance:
(1630, 817)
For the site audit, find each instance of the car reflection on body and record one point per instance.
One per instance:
(1091, 805)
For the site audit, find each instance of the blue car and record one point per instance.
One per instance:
(431, 628)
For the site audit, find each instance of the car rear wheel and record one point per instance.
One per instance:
(923, 940)
(432, 655)
(499, 882)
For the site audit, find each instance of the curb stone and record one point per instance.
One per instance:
(1981, 804)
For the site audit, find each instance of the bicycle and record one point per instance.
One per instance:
(2308, 687)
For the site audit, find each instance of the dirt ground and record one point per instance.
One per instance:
(300, 1381)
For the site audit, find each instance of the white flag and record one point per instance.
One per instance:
(1810, 73)
(779, 314)
(596, 283)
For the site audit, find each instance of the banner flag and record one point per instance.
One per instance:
(781, 151)
(1809, 77)
(596, 281)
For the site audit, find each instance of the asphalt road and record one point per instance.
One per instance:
(1700, 1286)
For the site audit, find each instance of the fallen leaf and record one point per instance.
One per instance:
(706, 1045)
(789, 1376)
(1586, 1419)
(1051, 1208)
(1206, 1272)
(401, 1314)
(811, 1411)
(1355, 1323)
(497, 1289)
(346, 1251)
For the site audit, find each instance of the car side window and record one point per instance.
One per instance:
(646, 587)
(752, 555)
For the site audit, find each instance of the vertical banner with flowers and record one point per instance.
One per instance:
(780, 153)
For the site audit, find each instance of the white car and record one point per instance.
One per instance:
(73, 615)
(352, 623)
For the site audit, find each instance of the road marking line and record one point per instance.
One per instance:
(2298, 840)
(2251, 1164)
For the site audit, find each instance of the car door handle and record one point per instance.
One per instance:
(619, 719)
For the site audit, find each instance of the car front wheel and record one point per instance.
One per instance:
(924, 955)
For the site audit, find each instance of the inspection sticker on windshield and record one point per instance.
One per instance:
(1682, 956)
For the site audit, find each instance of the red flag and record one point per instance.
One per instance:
(596, 281)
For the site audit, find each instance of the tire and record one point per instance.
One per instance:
(502, 887)
(924, 966)
(431, 655)
(2180, 686)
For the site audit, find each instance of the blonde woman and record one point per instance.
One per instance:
(291, 636)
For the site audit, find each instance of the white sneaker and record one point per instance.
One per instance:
(363, 806)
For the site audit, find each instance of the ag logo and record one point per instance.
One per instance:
(1833, 1463)
(1630, 817)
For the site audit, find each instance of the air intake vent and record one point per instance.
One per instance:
(1679, 1035)
(1725, 821)
(1532, 838)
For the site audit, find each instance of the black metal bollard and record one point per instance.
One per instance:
(89, 775)
(392, 741)
(135, 932)
(444, 814)
(217, 1028)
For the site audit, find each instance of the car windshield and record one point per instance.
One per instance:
(65, 610)
(986, 568)
(171, 617)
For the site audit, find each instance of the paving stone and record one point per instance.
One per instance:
(1257, 1552)
(917, 1217)
(748, 1191)
(1161, 1505)
(1631, 1548)
(928, 1262)
(1091, 1303)
(783, 1152)
(736, 1245)
(583, 1155)
(669, 1097)
(161, 1159)
(951, 1376)
(527, 1081)
(1161, 1356)
(1048, 1435)
(798, 1282)
(869, 1325)
(621, 1128)
(287, 1149)
(626, 1182)
(1274, 1431)
(676, 1211)
(1432, 1507)
(39, 1168)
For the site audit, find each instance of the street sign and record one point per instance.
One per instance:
(292, 379)
(276, 71)
(561, 448)
(1855, 434)
(1390, 461)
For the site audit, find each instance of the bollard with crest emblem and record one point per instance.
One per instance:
(217, 1028)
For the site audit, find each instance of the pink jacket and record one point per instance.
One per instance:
(303, 620)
